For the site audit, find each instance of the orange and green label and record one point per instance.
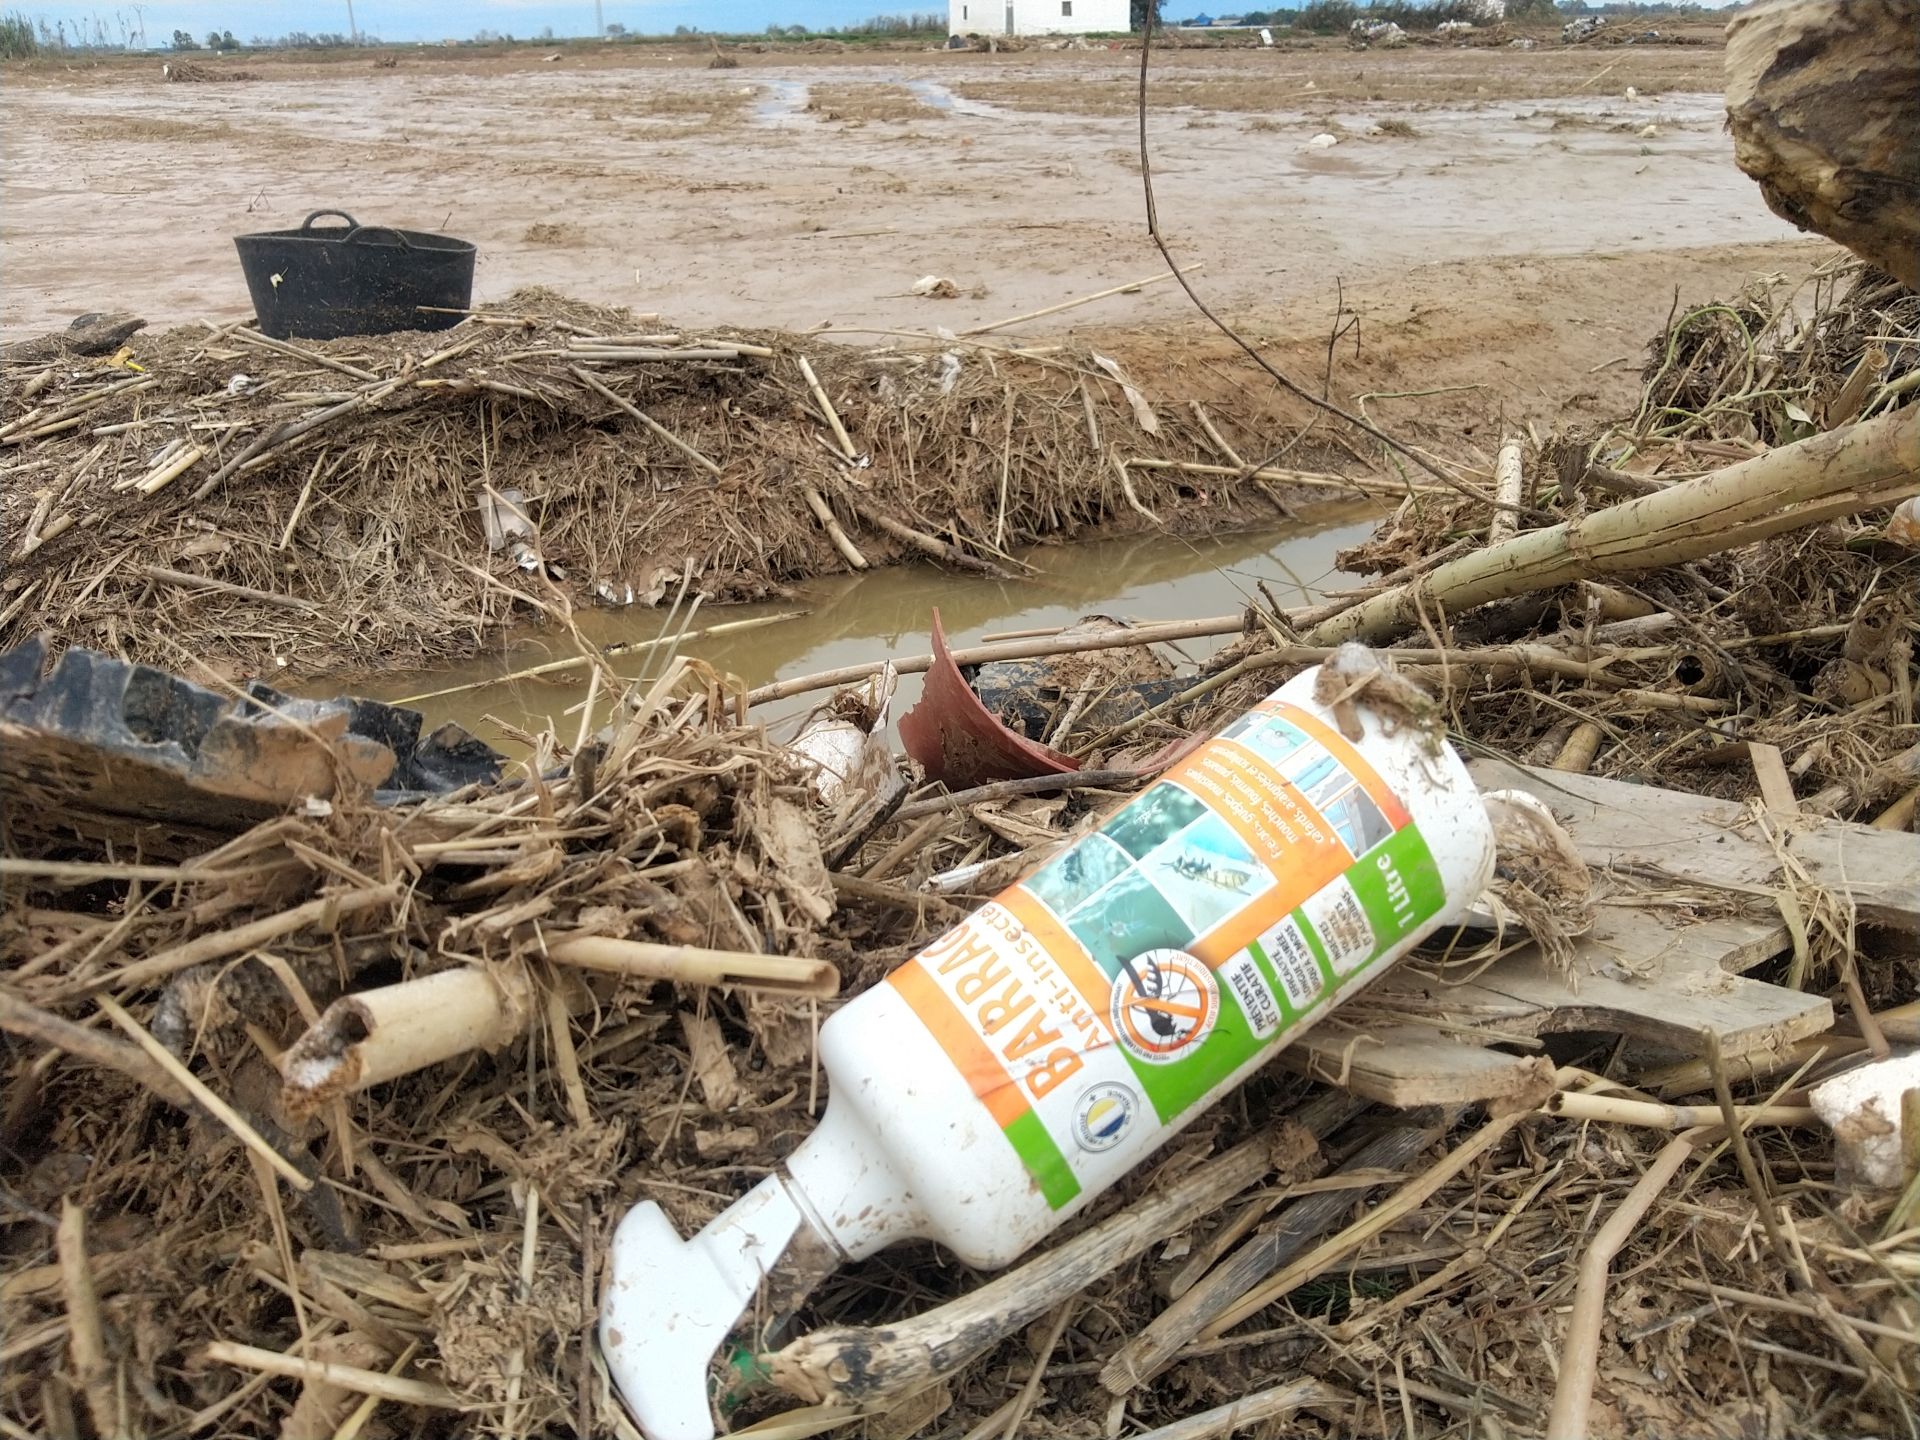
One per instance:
(1128, 979)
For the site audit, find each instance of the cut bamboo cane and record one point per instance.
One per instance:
(1507, 481)
(1645, 1113)
(1577, 755)
(1899, 815)
(1579, 1355)
(54, 528)
(312, 357)
(823, 512)
(1078, 301)
(154, 483)
(260, 448)
(691, 965)
(42, 505)
(1875, 462)
(346, 1377)
(826, 408)
(1174, 1329)
(647, 420)
(373, 1036)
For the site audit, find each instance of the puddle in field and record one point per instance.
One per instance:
(784, 103)
(847, 620)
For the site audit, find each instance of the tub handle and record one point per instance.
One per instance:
(352, 224)
(359, 231)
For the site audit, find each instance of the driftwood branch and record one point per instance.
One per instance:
(1876, 462)
(854, 1364)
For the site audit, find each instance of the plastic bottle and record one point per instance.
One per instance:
(995, 1084)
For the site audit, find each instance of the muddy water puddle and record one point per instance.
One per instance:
(847, 620)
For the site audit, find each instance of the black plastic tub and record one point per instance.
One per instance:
(320, 284)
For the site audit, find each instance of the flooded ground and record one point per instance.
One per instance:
(798, 190)
(851, 619)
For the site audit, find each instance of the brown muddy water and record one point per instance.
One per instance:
(847, 620)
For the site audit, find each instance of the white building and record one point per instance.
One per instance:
(1038, 17)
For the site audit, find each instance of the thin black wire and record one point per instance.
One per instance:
(1285, 382)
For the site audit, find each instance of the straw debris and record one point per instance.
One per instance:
(1567, 1252)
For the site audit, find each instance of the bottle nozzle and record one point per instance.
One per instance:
(671, 1303)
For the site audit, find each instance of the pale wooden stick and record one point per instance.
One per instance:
(1367, 485)
(219, 944)
(517, 1357)
(210, 1102)
(1227, 452)
(90, 1363)
(697, 352)
(931, 545)
(356, 1422)
(1080, 300)
(823, 512)
(312, 357)
(1578, 1106)
(346, 1377)
(17, 1017)
(1381, 1217)
(554, 667)
(826, 406)
(85, 871)
(647, 420)
(1776, 786)
(300, 504)
(1247, 1412)
(207, 582)
(1507, 482)
(1011, 650)
(1823, 478)
(1126, 487)
(1579, 1352)
(692, 965)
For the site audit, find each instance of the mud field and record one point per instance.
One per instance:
(807, 190)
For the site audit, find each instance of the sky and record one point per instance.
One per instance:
(454, 19)
(460, 19)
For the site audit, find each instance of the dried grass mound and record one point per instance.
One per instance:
(244, 501)
(192, 72)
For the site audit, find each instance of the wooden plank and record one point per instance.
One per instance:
(1776, 786)
(1719, 843)
(1646, 971)
(1413, 1064)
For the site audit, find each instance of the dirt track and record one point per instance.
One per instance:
(636, 176)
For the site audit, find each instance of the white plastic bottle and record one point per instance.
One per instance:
(991, 1087)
